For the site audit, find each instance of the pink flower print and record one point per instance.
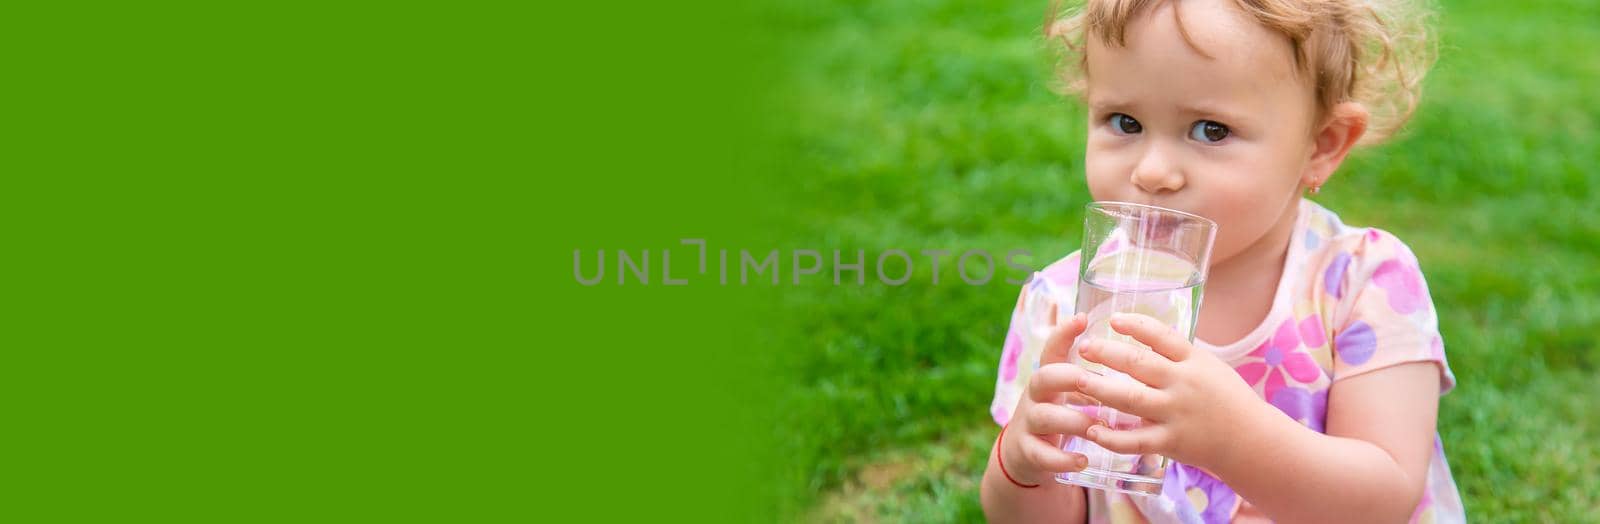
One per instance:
(1008, 358)
(1423, 506)
(1280, 355)
(1311, 332)
(1001, 415)
(1403, 284)
(1112, 244)
(1059, 273)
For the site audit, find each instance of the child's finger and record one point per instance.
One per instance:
(1137, 441)
(1058, 346)
(1080, 400)
(1124, 395)
(1140, 363)
(1057, 419)
(1049, 457)
(1051, 380)
(1120, 421)
(1160, 337)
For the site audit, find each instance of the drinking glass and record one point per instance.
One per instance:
(1135, 259)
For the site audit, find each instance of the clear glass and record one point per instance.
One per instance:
(1135, 259)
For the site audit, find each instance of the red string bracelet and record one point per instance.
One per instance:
(999, 460)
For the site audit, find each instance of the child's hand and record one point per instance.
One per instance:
(1030, 448)
(1191, 402)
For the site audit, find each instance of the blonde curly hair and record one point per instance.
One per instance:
(1373, 52)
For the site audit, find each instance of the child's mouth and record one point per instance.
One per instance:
(1164, 225)
(1160, 226)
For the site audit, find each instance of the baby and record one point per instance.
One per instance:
(1311, 390)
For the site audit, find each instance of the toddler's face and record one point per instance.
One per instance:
(1226, 137)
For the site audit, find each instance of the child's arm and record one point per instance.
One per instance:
(1029, 449)
(1370, 467)
(1050, 502)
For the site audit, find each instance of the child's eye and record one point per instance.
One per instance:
(1208, 131)
(1124, 124)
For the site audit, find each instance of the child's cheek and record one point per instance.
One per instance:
(1240, 224)
(1105, 175)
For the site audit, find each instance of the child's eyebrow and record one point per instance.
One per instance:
(1213, 112)
(1197, 110)
(1109, 105)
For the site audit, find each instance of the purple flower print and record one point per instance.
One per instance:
(1008, 358)
(1356, 343)
(1304, 406)
(1333, 277)
(1280, 355)
(1218, 498)
(1403, 284)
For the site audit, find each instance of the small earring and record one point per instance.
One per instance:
(1316, 187)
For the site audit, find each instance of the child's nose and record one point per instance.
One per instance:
(1156, 172)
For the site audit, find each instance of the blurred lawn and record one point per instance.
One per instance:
(930, 124)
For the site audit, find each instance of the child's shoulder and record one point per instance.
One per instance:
(1058, 279)
(1062, 272)
(1322, 225)
(1345, 256)
(1325, 234)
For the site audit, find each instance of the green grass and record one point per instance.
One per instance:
(930, 124)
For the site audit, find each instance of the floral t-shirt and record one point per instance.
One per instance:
(1351, 300)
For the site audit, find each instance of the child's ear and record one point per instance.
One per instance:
(1344, 126)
